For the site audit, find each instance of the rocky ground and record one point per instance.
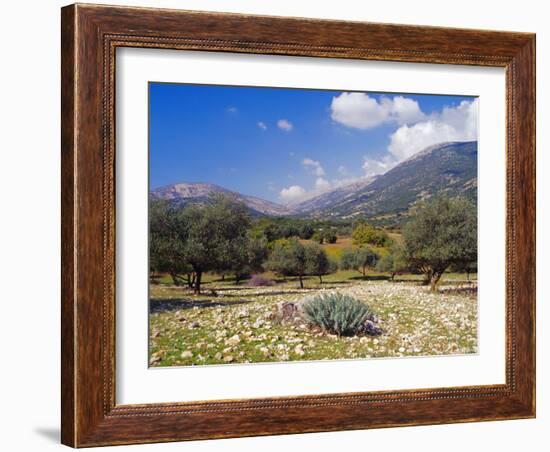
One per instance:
(236, 324)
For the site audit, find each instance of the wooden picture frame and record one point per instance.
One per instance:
(90, 36)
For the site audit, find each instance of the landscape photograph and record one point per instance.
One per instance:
(296, 225)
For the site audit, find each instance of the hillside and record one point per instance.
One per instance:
(449, 168)
(201, 193)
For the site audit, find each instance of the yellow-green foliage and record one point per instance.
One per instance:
(366, 234)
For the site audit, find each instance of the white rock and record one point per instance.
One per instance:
(233, 340)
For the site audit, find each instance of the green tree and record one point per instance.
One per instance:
(248, 259)
(318, 237)
(306, 231)
(317, 262)
(288, 258)
(216, 234)
(393, 263)
(359, 259)
(366, 234)
(167, 244)
(440, 233)
(329, 236)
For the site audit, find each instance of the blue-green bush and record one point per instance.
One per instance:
(337, 313)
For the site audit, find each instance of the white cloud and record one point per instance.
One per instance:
(457, 123)
(262, 125)
(452, 124)
(285, 125)
(322, 185)
(372, 167)
(360, 111)
(292, 194)
(232, 109)
(314, 166)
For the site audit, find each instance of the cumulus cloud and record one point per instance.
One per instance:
(292, 194)
(457, 123)
(360, 111)
(285, 125)
(322, 185)
(454, 123)
(314, 166)
(262, 125)
(232, 109)
(372, 167)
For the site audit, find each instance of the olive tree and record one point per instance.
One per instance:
(248, 258)
(317, 262)
(440, 233)
(167, 243)
(216, 233)
(393, 263)
(359, 259)
(288, 258)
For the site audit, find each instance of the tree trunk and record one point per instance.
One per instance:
(364, 271)
(435, 277)
(223, 276)
(392, 276)
(427, 278)
(237, 279)
(190, 280)
(198, 283)
(301, 282)
(320, 279)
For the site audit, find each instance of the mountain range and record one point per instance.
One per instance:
(449, 168)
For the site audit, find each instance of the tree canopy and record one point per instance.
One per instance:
(204, 238)
(440, 233)
(359, 259)
(366, 234)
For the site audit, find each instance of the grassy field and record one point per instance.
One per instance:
(334, 250)
(234, 324)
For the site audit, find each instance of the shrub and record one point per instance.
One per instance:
(259, 280)
(337, 313)
(330, 236)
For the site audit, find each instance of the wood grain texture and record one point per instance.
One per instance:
(90, 36)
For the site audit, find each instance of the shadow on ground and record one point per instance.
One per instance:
(464, 290)
(167, 304)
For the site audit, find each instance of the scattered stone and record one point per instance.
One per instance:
(218, 356)
(154, 360)
(194, 325)
(228, 359)
(299, 350)
(187, 354)
(234, 340)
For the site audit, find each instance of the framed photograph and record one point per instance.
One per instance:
(282, 225)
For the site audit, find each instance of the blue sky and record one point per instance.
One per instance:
(286, 145)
